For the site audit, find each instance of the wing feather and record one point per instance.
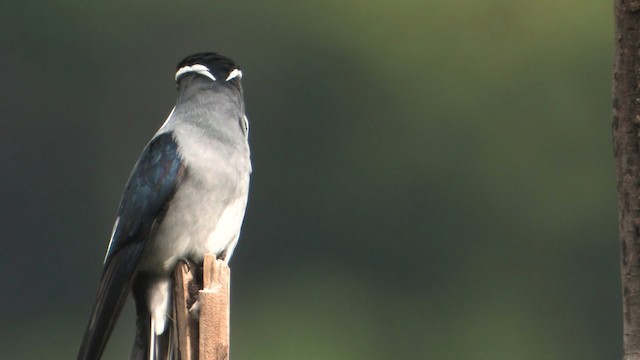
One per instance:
(146, 197)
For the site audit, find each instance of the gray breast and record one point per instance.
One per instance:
(206, 213)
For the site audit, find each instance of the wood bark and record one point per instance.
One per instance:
(214, 314)
(185, 324)
(626, 145)
(202, 331)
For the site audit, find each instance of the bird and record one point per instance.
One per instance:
(186, 196)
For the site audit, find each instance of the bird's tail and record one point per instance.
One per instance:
(148, 345)
(111, 295)
(140, 350)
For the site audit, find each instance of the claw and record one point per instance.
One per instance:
(194, 310)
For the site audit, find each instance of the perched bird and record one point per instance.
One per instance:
(185, 197)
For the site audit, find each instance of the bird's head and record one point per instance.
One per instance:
(211, 65)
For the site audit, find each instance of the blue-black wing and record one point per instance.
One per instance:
(146, 197)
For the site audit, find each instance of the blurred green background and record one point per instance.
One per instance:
(432, 180)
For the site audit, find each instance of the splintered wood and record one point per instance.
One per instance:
(214, 311)
(185, 325)
(208, 339)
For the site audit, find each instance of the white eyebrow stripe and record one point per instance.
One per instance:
(235, 73)
(197, 68)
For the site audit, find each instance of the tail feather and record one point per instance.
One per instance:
(141, 346)
(163, 344)
(111, 295)
(145, 336)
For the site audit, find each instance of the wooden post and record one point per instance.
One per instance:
(626, 149)
(206, 338)
(185, 325)
(214, 311)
